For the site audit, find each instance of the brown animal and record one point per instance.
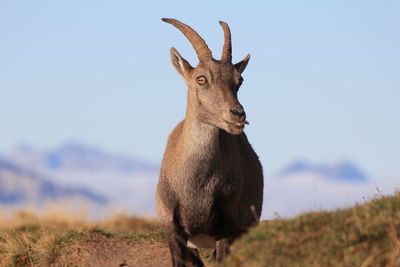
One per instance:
(211, 183)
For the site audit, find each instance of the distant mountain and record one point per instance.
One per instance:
(77, 157)
(304, 186)
(20, 186)
(341, 171)
(129, 184)
(126, 184)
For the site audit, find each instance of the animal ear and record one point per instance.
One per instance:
(180, 64)
(240, 66)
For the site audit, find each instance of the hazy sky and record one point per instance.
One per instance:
(323, 82)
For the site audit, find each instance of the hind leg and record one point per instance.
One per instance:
(222, 249)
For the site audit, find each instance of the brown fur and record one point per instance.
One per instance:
(211, 181)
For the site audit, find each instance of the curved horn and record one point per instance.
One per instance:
(227, 50)
(198, 43)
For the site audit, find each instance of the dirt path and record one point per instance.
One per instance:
(100, 251)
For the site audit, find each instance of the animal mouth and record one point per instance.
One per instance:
(239, 125)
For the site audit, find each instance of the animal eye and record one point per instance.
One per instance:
(201, 80)
(240, 81)
(239, 84)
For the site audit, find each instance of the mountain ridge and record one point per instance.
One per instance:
(75, 156)
(344, 170)
(19, 185)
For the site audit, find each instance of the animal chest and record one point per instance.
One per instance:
(201, 196)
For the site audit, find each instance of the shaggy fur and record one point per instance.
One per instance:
(211, 182)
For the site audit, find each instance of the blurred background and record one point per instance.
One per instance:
(88, 97)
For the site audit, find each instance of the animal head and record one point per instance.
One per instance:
(213, 84)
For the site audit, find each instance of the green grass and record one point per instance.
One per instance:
(154, 235)
(364, 235)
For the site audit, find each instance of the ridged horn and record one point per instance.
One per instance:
(198, 43)
(227, 50)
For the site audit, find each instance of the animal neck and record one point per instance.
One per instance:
(200, 139)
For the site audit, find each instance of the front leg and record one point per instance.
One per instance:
(181, 255)
(228, 229)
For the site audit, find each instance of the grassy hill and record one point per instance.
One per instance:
(364, 235)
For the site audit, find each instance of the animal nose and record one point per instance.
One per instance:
(239, 113)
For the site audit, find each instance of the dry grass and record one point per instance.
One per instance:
(29, 240)
(364, 235)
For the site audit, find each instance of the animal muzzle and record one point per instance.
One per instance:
(238, 113)
(236, 116)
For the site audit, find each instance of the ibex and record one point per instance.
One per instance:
(211, 182)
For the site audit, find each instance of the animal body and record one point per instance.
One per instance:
(211, 183)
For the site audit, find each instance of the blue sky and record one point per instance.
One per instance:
(323, 82)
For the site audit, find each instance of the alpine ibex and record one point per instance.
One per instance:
(211, 182)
